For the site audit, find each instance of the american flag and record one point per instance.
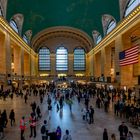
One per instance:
(129, 56)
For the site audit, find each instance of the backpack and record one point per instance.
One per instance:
(43, 129)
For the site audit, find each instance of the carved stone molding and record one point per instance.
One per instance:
(105, 20)
(28, 33)
(123, 4)
(19, 19)
(62, 32)
(95, 34)
(3, 4)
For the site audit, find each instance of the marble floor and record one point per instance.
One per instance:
(79, 129)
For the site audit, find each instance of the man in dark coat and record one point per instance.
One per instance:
(91, 115)
(12, 117)
(123, 129)
(52, 135)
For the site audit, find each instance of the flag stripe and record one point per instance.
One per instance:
(132, 62)
(127, 61)
(129, 56)
(133, 51)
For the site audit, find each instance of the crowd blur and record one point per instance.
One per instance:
(126, 106)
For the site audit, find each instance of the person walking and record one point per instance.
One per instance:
(123, 129)
(44, 130)
(25, 98)
(38, 112)
(129, 136)
(70, 104)
(52, 135)
(67, 136)
(4, 117)
(22, 127)
(91, 115)
(12, 117)
(32, 121)
(105, 134)
(58, 133)
(1, 127)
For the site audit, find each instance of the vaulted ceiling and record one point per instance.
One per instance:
(85, 15)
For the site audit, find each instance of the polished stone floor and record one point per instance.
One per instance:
(79, 129)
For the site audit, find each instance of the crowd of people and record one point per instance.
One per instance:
(124, 107)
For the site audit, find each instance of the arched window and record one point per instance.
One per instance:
(61, 59)
(14, 25)
(44, 59)
(79, 59)
(132, 4)
(111, 26)
(98, 39)
(25, 39)
(1, 14)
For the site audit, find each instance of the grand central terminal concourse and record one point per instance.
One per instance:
(69, 69)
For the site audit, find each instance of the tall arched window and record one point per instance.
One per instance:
(44, 59)
(14, 25)
(61, 59)
(132, 4)
(111, 26)
(98, 39)
(79, 59)
(1, 14)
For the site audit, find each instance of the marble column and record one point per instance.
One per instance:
(26, 64)
(98, 64)
(53, 64)
(5, 59)
(118, 48)
(107, 64)
(70, 64)
(8, 54)
(17, 60)
(103, 61)
(2, 54)
(91, 64)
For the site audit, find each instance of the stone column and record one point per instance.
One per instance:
(53, 63)
(91, 64)
(26, 64)
(36, 65)
(33, 67)
(2, 54)
(118, 48)
(87, 72)
(103, 61)
(98, 64)
(107, 64)
(8, 54)
(17, 60)
(22, 62)
(6, 59)
(70, 64)
(94, 65)
(21, 80)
